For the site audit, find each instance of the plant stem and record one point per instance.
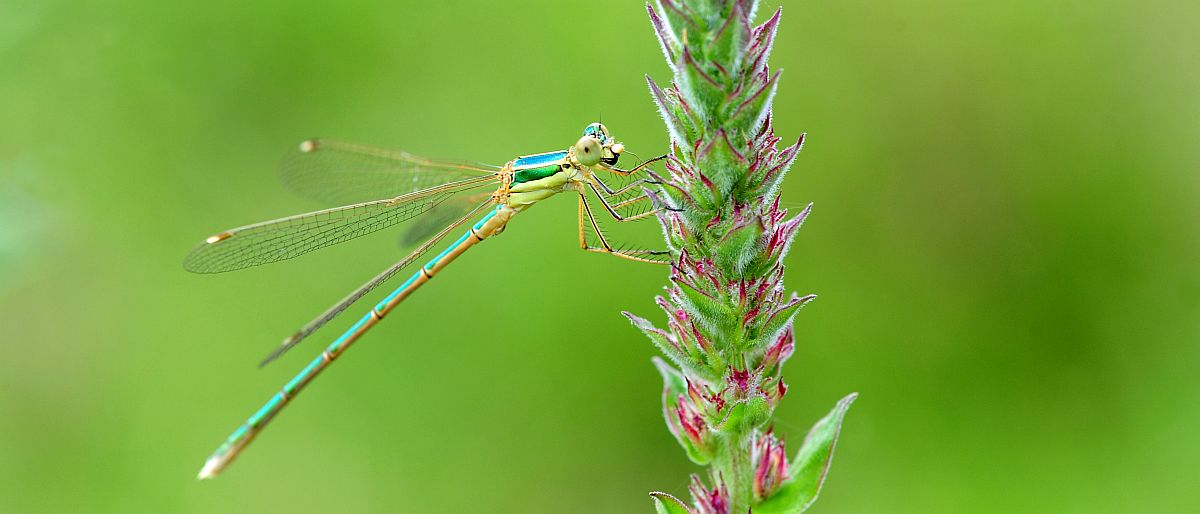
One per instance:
(729, 327)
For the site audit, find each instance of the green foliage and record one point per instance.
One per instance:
(729, 328)
(746, 415)
(667, 504)
(810, 467)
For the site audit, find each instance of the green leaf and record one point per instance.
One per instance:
(745, 415)
(667, 504)
(666, 109)
(755, 106)
(811, 466)
(709, 11)
(780, 319)
(659, 337)
(730, 38)
(666, 38)
(712, 315)
(673, 381)
(721, 161)
(738, 248)
(677, 20)
(702, 92)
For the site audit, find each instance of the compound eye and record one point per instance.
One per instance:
(587, 151)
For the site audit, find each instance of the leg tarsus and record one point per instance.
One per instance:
(634, 169)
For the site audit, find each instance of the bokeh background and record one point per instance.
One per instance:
(1005, 242)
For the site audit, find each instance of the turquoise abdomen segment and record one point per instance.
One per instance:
(539, 160)
(266, 411)
(293, 385)
(382, 306)
(484, 220)
(434, 261)
(469, 234)
(531, 174)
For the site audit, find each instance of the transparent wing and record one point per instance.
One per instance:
(340, 173)
(285, 238)
(472, 208)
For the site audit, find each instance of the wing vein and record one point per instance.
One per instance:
(289, 237)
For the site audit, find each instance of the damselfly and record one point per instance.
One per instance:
(451, 194)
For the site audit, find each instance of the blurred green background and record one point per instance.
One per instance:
(1005, 242)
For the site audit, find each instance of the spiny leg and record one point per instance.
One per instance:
(613, 208)
(587, 219)
(627, 187)
(611, 193)
(634, 169)
(616, 203)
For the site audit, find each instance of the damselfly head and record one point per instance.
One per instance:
(588, 150)
(611, 152)
(599, 131)
(597, 147)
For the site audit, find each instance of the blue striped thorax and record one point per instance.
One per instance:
(538, 160)
(534, 167)
(542, 165)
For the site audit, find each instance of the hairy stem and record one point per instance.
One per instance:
(729, 317)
